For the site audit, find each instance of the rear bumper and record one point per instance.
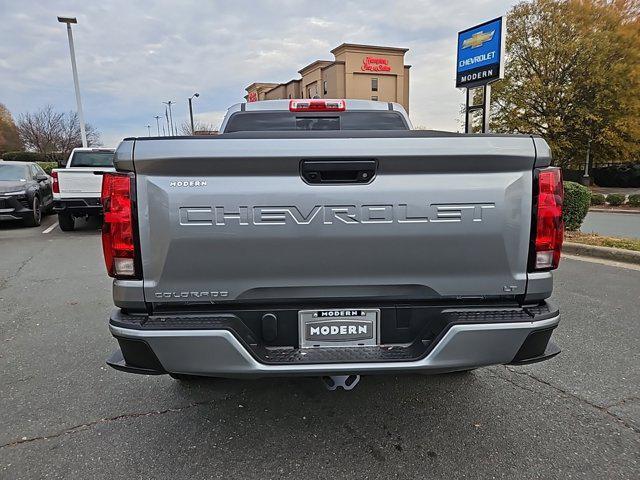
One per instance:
(78, 206)
(221, 351)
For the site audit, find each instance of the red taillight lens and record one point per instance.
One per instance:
(317, 105)
(117, 227)
(55, 185)
(549, 224)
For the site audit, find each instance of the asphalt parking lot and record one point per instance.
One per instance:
(65, 414)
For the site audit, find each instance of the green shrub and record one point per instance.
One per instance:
(597, 199)
(23, 157)
(48, 166)
(615, 199)
(576, 204)
(634, 200)
(34, 157)
(625, 175)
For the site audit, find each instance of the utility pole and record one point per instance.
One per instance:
(193, 131)
(69, 21)
(171, 128)
(157, 117)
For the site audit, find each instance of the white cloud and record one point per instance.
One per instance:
(134, 55)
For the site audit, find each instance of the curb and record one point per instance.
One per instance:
(608, 253)
(614, 210)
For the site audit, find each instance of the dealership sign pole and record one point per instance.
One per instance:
(480, 61)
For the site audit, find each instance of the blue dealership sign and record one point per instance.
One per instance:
(480, 52)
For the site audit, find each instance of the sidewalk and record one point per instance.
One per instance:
(614, 210)
(608, 190)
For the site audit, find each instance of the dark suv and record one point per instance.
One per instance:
(25, 192)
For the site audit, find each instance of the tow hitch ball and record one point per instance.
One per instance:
(347, 382)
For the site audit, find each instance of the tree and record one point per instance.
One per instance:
(185, 127)
(9, 137)
(48, 131)
(573, 75)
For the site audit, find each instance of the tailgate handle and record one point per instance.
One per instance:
(338, 171)
(98, 172)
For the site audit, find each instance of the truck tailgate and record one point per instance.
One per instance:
(81, 181)
(228, 219)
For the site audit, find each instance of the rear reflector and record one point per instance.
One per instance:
(549, 224)
(55, 185)
(317, 105)
(117, 227)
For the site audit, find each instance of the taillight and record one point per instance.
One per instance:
(317, 105)
(117, 227)
(55, 185)
(549, 225)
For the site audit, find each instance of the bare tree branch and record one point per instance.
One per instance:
(48, 131)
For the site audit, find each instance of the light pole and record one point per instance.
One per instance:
(148, 130)
(585, 178)
(193, 131)
(169, 103)
(157, 117)
(69, 21)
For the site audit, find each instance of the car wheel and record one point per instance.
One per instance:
(36, 214)
(67, 222)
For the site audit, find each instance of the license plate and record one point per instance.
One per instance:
(339, 327)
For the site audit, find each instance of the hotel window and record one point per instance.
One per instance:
(374, 84)
(374, 97)
(324, 87)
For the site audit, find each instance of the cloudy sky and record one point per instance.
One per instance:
(134, 55)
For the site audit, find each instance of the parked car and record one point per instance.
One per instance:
(325, 238)
(25, 192)
(76, 188)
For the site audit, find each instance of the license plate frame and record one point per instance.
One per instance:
(315, 327)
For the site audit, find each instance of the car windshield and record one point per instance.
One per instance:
(14, 173)
(92, 159)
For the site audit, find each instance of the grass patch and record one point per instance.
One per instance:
(595, 239)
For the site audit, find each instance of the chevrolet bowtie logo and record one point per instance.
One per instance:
(477, 39)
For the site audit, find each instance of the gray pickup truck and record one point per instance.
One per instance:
(326, 238)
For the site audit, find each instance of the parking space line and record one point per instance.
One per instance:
(49, 229)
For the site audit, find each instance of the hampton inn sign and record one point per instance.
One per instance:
(375, 64)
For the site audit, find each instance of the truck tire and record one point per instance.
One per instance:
(35, 218)
(67, 222)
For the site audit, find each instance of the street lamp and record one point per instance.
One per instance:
(169, 103)
(157, 117)
(585, 178)
(193, 132)
(69, 21)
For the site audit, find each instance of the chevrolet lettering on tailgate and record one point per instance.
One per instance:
(329, 214)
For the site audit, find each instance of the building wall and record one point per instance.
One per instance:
(348, 76)
(405, 100)
(276, 93)
(292, 89)
(333, 74)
